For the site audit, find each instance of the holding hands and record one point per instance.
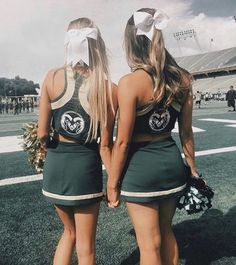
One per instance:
(112, 196)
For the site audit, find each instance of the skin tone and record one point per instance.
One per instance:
(80, 223)
(152, 222)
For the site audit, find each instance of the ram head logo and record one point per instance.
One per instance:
(72, 122)
(159, 120)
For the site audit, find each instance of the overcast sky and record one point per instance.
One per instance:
(32, 31)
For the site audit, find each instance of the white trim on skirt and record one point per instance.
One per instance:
(73, 197)
(152, 194)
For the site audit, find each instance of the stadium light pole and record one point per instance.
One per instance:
(185, 34)
(210, 46)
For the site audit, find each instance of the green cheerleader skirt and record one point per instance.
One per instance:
(153, 171)
(72, 174)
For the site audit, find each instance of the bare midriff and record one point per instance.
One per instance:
(62, 138)
(150, 137)
(135, 138)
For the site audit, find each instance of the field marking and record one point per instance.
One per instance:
(215, 151)
(219, 120)
(17, 180)
(231, 125)
(11, 144)
(195, 129)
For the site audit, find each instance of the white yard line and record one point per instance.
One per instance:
(17, 180)
(10, 144)
(219, 120)
(216, 151)
(195, 129)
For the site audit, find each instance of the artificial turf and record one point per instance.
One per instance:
(15, 164)
(30, 229)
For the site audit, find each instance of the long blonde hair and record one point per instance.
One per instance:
(98, 79)
(155, 59)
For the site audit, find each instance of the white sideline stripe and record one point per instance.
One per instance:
(12, 130)
(152, 194)
(216, 151)
(219, 120)
(11, 144)
(17, 180)
(73, 197)
(195, 129)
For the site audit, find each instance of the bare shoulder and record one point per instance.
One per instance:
(137, 78)
(127, 87)
(134, 81)
(51, 74)
(126, 79)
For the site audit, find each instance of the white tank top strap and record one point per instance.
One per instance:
(69, 90)
(146, 108)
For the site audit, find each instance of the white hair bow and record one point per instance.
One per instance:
(76, 43)
(145, 22)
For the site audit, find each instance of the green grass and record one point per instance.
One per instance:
(15, 164)
(10, 133)
(30, 228)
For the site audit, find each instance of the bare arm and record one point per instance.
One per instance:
(44, 112)
(106, 139)
(127, 111)
(186, 132)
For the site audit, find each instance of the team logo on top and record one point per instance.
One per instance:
(159, 120)
(72, 122)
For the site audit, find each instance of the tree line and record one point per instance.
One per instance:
(17, 87)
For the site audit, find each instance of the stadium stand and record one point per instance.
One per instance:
(213, 72)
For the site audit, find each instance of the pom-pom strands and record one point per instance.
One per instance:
(34, 148)
(197, 197)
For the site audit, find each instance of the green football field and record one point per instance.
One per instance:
(30, 229)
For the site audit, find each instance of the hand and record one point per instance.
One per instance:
(195, 175)
(113, 197)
